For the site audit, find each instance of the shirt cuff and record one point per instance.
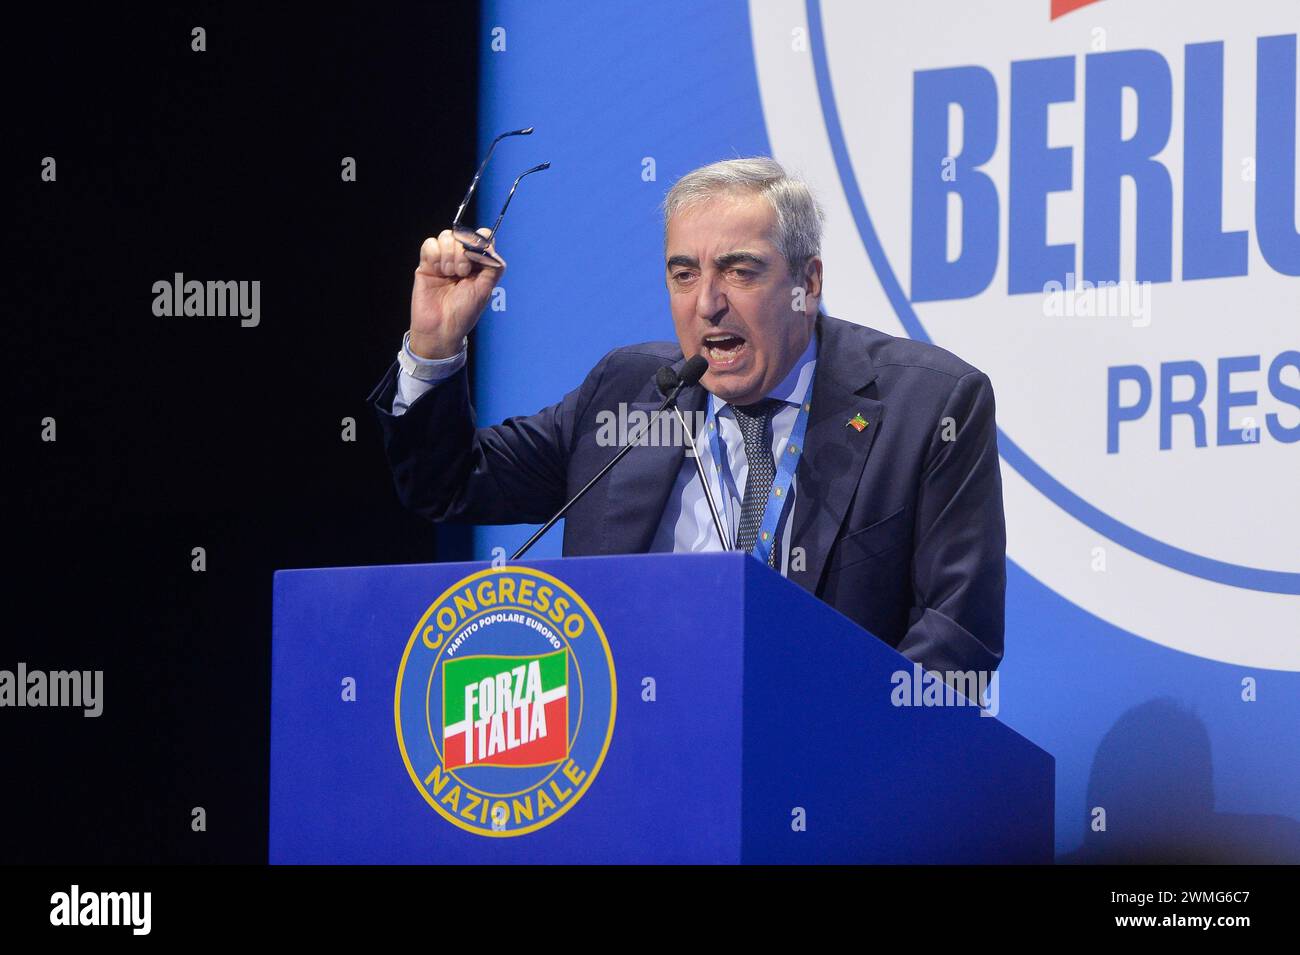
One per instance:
(419, 375)
(430, 369)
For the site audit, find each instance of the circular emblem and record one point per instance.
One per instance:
(505, 701)
(986, 208)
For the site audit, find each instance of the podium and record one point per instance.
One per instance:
(431, 714)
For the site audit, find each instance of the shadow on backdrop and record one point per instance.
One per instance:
(1152, 775)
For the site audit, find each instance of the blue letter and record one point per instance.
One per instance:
(1229, 399)
(1283, 392)
(1115, 412)
(1279, 242)
(1208, 253)
(1108, 158)
(1191, 407)
(1036, 170)
(933, 276)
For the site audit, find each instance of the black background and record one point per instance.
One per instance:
(182, 432)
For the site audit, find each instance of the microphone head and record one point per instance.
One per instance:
(666, 379)
(694, 370)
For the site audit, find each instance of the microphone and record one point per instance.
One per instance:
(667, 379)
(692, 371)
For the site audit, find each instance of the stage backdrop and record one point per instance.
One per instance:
(1093, 202)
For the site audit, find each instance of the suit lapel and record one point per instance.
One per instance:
(834, 452)
(640, 484)
(829, 469)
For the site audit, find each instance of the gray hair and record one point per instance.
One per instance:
(799, 216)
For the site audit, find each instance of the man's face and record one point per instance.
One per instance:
(732, 296)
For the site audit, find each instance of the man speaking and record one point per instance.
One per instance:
(862, 466)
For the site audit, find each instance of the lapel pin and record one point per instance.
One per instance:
(857, 422)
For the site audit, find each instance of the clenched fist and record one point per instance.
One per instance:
(450, 293)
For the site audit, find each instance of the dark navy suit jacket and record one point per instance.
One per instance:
(901, 523)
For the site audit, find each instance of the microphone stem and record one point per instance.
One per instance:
(704, 481)
(631, 443)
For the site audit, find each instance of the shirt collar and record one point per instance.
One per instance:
(793, 388)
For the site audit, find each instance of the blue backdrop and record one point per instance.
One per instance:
(626, 97)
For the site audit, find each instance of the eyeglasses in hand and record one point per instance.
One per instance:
(476, 244)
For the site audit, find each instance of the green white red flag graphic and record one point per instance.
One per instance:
(505, 710)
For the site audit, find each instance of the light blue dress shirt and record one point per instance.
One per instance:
(686, 525)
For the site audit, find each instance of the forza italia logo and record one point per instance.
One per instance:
(505, 701)
(515, 710)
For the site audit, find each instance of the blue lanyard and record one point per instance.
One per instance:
(780, 486)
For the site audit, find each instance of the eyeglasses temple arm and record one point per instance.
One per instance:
(469, 194)
(506, 204)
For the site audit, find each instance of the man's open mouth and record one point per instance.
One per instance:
(723, 349)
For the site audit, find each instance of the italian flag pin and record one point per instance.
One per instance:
(857, 422)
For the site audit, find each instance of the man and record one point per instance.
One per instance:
(889, 507)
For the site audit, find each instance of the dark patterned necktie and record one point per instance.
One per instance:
(754, 420)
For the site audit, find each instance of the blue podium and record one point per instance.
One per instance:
(661, 708)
